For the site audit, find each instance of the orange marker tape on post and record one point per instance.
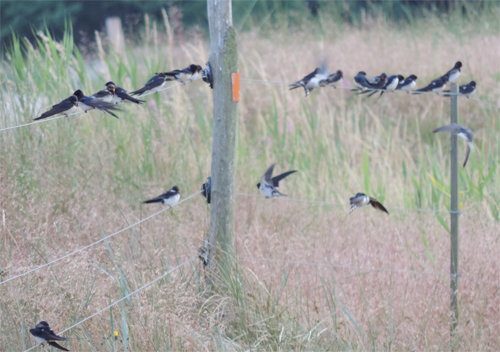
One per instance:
(236, 86)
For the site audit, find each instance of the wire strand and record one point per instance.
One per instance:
(40, 121)
(96, 242)
(123, 298)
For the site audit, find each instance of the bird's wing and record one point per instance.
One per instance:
(377, 205)
(453, 128)
(174, 72)
(154, 81)
(101, 94)
(268, 174)
(123, 94)
(277, 179)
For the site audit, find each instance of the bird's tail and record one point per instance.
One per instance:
(56, 345)
(134, 100)
(352, 209)
(40, 118)
(421, 90)
(295, 86)
(139, 91)
(154, 200)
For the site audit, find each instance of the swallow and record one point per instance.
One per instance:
(267, 185)
(310, 81)
(407, 84)
(121, 95)
(361, 81)
(377, 82)
(44, 334)
(462, 132)
(186, 75)
(361, 199)
(391, 84)
(169, 198)
(466, 90)
(153, 85)
(203, 253)
(436, 86)
(333, 80)
(65, 107)
(91, 103)
(452, 74)
(105, 94)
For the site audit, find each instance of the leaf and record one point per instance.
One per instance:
(426, 246)
(442, 222)
(438, 185)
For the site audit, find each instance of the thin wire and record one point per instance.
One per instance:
(125, 297)
(40, 121)
(159, 90)
(486, 102)
(96, 242)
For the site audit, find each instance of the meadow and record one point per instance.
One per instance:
(305, 277)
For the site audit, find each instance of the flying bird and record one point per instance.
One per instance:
(361, 199)
(462, 132)
(311, 81)
(267, 185)
(153, 85)
(334, 80)
(408, 83)
(91, 103)
(65, 107)
(436, 86)
(169, 198)
(466, 90)
(361, 81)
(452, 74)
(44, 334)
(186, 75)
(121, 95)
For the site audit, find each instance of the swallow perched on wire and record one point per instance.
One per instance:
(377, 82)
(105, 94)
(391, 84)
(65, 107)
(121, 95)
(44, 334)
(462, 132)
(408, 83)
(154, 84)
(453, 74)
(311, 81)
(186, 75)
(466, 90)
(267, 185)
(334, 80)
(169, 198)
(436, 86)
(90, 103)
(361, 199)
(361, 81)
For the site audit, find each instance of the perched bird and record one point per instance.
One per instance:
(361, 199)
(186, 75)
(391, 84)
(334, 80)
(105, 94)
(153, 85)
(65, 107)
(407, 84)
(267, 185)
(203, 253)
(90, 103)
(452, 74)
(121, 95)
(436, 86)
(361, 81)
(377, 82)
(311, 81)
(169, 198)
(44, 334)
(465, 90)
(462, 132)
(207, 75)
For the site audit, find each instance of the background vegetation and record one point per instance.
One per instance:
(69, 182)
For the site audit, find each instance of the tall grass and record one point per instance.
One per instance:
(68, 182)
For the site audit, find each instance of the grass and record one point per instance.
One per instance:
(67, 183)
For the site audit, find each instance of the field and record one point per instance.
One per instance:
(306, 277)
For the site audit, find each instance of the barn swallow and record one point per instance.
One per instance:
(436, 86)
(452, 74)
(207, 75)
(105, 94)
(186, 75)
(466, 90)
(65, 107)
(310, 81)
(267, 185)
(153, 85)
(377, 82)
(391, 84)
(44, 334)
(334, 80)
(121, 95)
(203, 253)
(462, 132)
(361, 81)
(90, 103)
(169, 198)
(361, 199)
(408, 84)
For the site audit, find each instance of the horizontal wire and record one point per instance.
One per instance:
(123, 298)
(159, 90)
(96, 242)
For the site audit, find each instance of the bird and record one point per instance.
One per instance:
(91, 103)
(466, 90)
(361, 199)
(408, 83)
(361, 81)
(311, 81)
(268, 185)
(105, 94)
(436, 86)
(121, 95)
(169, 198)
(462, 132)
(453, 74)
(154, 84)
(334, 80)
(377, 82)
(203, 253)
(44, 334)
(391, 84)
(65, 107)
(186, 75)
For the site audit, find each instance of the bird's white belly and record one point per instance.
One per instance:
(313, 83)
(116, 99)
(39, 340)
(184, 77)
(266, 191)
(107, 98)
(172, 200)
(393, 85)
(453, 76)
(409, 86)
